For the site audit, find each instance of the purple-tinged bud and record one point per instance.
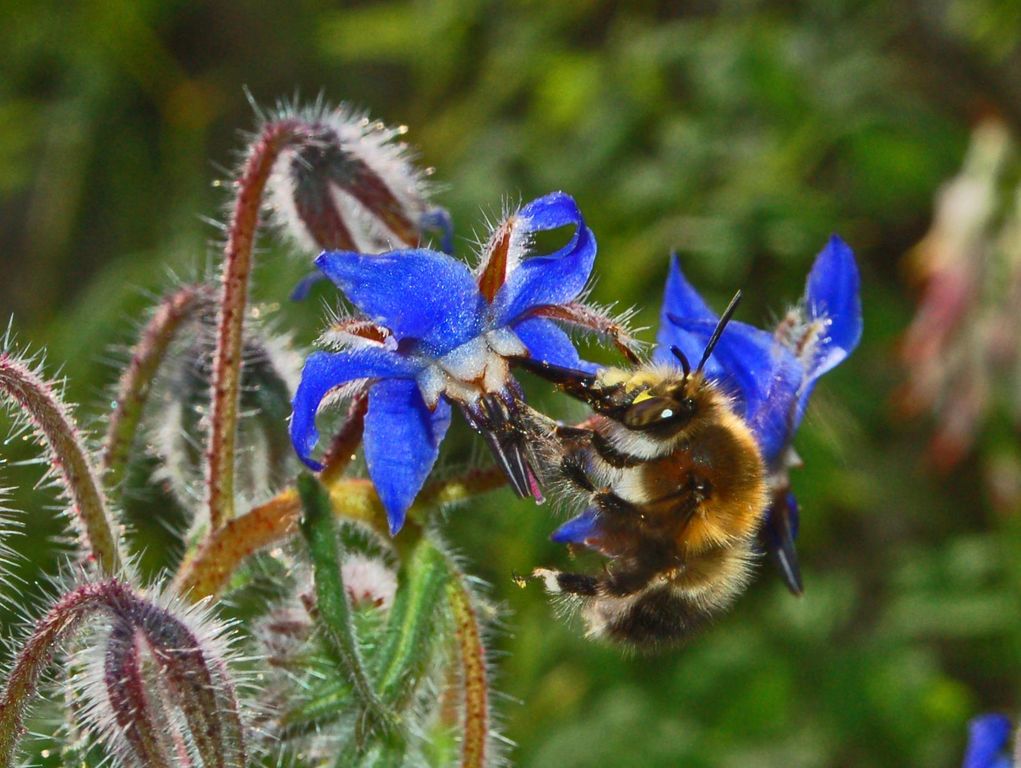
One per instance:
(349, 185)
(158, 689)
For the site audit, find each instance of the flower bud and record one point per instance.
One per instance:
(167, 698)
(349, 185)
(268, 377)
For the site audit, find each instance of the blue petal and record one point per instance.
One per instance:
(577, 529)
(681, 300)
(301, 291)
(553, 279)
(402, 440)
(324, 371)
(548, 342)
(771, 418)
(833, 292)
(418, 294)
(988, 736)
(438, 220)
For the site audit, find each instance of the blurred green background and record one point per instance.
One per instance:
(738, 133)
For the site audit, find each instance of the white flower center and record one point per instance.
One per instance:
(475, 368)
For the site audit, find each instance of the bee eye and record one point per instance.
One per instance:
(658, 413)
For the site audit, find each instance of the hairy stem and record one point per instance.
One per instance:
(410, 633)
(136, 381)
(320, 532)
(194, 681)
(50, 416)
(474, 673)
(210, 568)
(237, 268)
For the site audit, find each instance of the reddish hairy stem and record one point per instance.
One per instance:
(210, 568)
(474, 673)
(194, 681)
(71, 460)
(237, 267)
(136, 381)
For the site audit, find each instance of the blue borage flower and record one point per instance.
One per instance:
(770, 374)
(435, 332)
(988, 742)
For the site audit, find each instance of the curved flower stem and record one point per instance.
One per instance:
(50, 416)
(136, 381)
(474, 672)
(209, 569)
(237, 268)
(35, 655)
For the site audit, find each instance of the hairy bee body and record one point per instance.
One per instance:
(676, 486)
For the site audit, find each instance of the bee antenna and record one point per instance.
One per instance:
(724, 319)
(682, 359)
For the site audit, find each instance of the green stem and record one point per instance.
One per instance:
(320, 532)
(136, 381)
(78, 477)
(237, 268)
(410, 634)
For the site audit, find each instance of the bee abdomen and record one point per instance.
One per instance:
(657, 617)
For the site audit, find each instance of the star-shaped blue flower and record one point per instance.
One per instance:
(988, 742)
(434, 332)
(771, 375)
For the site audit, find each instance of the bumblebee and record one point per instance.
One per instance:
(675, 492)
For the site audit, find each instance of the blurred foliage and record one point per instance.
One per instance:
(738, 133)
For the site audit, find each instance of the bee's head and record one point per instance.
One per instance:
(668, 407)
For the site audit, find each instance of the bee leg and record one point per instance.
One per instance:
(574, 434)
(620, 583)
(614, 507)
(573, 470)
(560, 582)
(579, 384)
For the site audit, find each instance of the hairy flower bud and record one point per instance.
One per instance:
(268, 377)
(156, 683)
(167, 697)
(349, 185)
(960, 353)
